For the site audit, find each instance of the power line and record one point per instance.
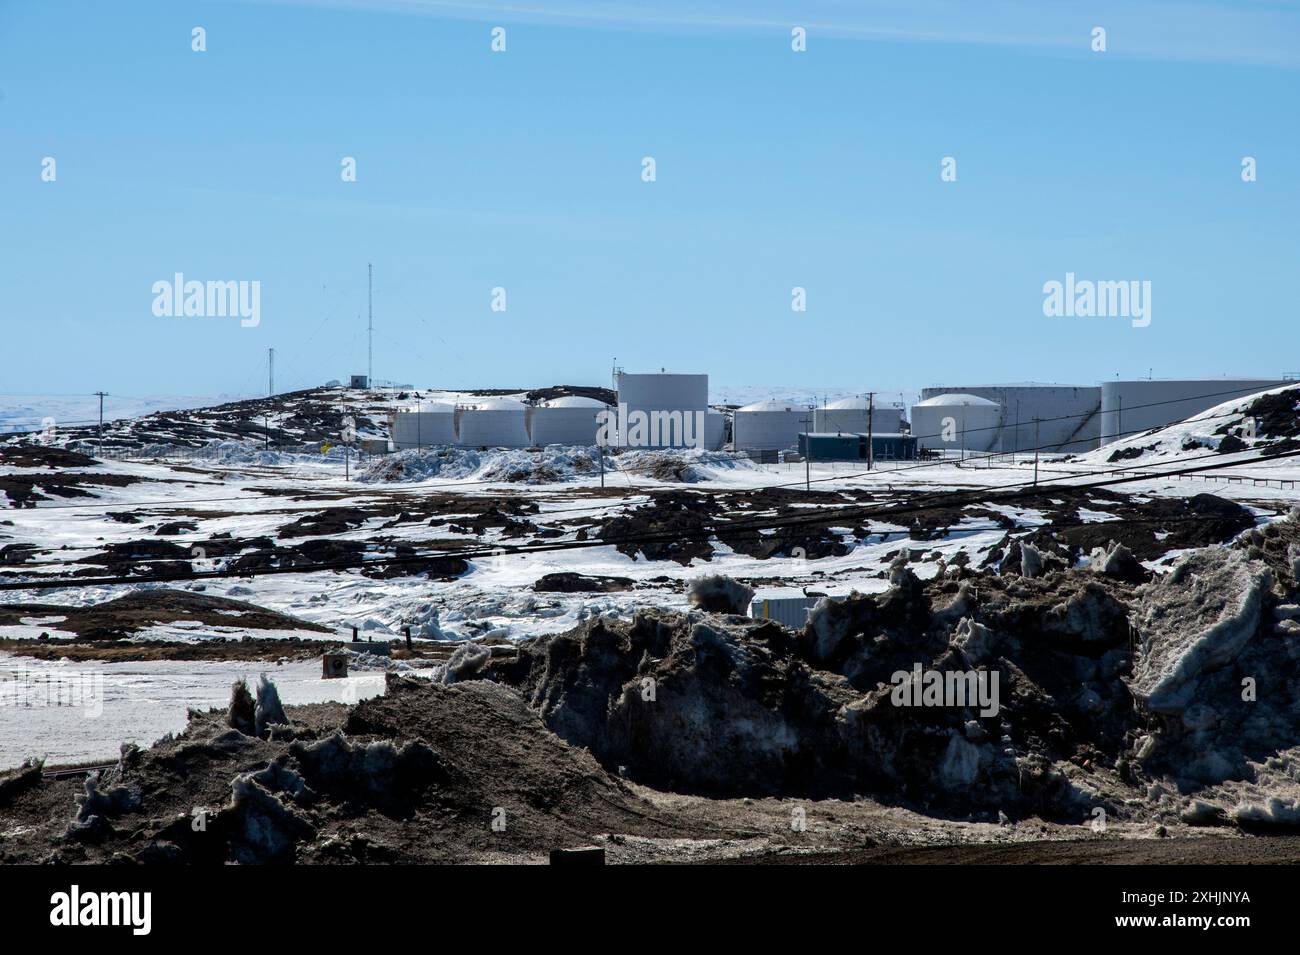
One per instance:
(459, 484)
(647, 487)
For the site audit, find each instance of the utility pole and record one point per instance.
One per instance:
(1035, 452)
(102, 396)
(871, 429)
(270, 371)
(600, 450)
(1017, 451)
(370, 326)
(1119, 425)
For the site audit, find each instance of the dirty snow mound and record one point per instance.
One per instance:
(1195, 620)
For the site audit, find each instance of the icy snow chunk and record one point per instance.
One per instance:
(1031, 560)
(960, 764)
(974, 640)
(465, 664)
(1117, 561)
(716, 593)
(1194, 620)
(426, 623)
(269, 709)
(1274, 813)
(1202, 813)
(959, 606)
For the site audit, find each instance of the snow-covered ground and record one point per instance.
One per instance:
(72, 713)
(496, 593)
(241, 490)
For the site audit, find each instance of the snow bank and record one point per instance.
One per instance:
(555, 464)
(689, 465)
(551, 465)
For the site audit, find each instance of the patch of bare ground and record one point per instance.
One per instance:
(211, 648)
(114, 619)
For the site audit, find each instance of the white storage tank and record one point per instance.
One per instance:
(1069, 415)
(849, 416)
(570, 420)
(715, 430)
(1131, 407)
(769, 426)
(955, 422)
(492, 423)
(661, 410)
(431, 425)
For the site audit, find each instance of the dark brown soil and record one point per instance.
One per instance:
(39, 456)
(567, 583)
(216, 648)
(114, 619)
(468, 756)
(25, 490)
(1148, 528)
(1249, 850)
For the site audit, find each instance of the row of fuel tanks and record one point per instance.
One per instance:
(977, 418)
(571, 420)
(1002, 418)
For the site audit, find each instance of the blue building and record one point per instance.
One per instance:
(853, 447)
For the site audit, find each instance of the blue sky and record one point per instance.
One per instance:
(523, 170)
